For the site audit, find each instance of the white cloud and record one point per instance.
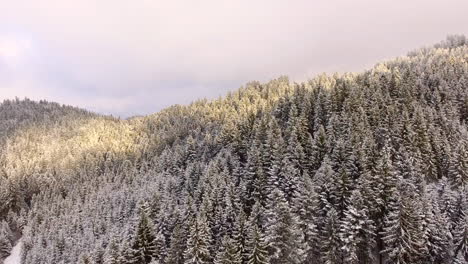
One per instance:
(9, 49)
(13, 51)
(114, 50)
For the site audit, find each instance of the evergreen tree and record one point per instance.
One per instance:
(357, 231)
(144, 244)
(458, 170)
(322, 182)
(319, 148)
(461, 238)
(177, 246)
(304, 205)
(5, 242)
(401, 234)
(240, 230)
(111, 256)
(198, 242)
(436, 232)
(330, 251)
(283, 235)
(126, 254)
(256, 251)
(229, 252)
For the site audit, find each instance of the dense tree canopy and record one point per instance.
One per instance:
(352, 168)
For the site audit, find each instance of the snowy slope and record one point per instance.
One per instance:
(14, 258)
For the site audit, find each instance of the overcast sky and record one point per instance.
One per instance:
(138, 56)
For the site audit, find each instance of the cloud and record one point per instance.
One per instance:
(136, 57)
(9, 49)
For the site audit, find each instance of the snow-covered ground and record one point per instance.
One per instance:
(14, 258)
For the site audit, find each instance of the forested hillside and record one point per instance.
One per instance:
(369, 167)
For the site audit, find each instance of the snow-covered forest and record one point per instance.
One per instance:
(367, 167)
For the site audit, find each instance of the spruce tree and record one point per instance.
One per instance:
(283, 234)
(461, 237)
(357, 231)
(144, 244)
(198, 242)
(319, 147)
(305, 204)
(228, 252)
(401, 234)
(256, 251)
(5, 242)
(175, 254)
(436, 232)
(458, 168)
(111, 255)
(330, 251)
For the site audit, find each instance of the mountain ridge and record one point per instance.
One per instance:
(272, 149)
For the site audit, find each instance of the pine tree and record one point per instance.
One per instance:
(401, 234)
(422, 142)
(319, 148)
(357, 231)
(144, 245)
(283, 235)
(111, 256)
(255, 177)
(257, 252)
(461, 238)
(289, 179)
(330, 251)
(381, 181)
(256, 248)
(229, 252)
(304, 204)
(436, 232)
(298, 139)
(322, 180)
(198, 242)
(322, 103)
(126, 254)
(97, 258)
(239, 232)
(341, 188)
(177, 246)
(84, 259)
(5, 242)
(190, 151)
(458, 169)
